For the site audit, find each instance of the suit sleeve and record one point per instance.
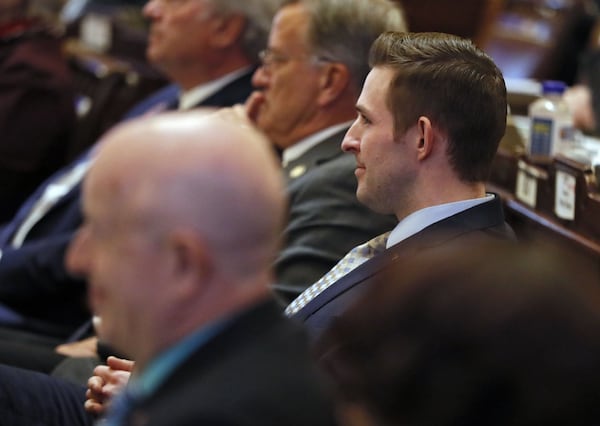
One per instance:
(35, 282)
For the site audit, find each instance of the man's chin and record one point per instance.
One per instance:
(361, 196)
(154, 57)
(371, 203)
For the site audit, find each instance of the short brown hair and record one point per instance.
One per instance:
(456, 85)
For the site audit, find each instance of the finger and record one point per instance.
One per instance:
(93, 407)
(99, 397)
(101, 370)
(117, 382)
(120, 363)
(95, 384)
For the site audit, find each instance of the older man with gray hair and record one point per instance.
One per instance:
(311, 75)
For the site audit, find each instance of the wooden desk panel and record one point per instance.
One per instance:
(540, 222)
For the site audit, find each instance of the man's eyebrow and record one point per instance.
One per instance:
(361, 109)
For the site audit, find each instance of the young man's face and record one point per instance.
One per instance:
(385, 165)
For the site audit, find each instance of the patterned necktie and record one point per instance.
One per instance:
(355, 257)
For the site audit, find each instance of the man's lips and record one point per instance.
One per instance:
(153, 35)
(359, 169)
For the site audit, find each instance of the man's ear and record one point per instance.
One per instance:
(227, 30)
(191, 260)
(335, 78)
(426, 138)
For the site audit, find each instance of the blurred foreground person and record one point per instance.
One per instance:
(493, 334)
(178, 241)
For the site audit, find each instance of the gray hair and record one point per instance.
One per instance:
(258, 14)
(343, 30)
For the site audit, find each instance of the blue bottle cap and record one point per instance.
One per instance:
(553, 86)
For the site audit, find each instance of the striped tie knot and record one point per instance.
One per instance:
(355, 257)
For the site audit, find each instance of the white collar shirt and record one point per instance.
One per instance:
(421, 219)
(191, 98)
(295, 151)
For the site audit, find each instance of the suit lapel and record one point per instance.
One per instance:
(318, 154)
(233, 93)
(482, 216)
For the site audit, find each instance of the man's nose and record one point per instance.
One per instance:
(351, 143)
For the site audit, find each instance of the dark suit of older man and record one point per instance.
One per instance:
(326, 220)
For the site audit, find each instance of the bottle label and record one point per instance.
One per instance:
(541, 136)
(550, 136)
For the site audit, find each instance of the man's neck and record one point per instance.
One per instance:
(459, 191)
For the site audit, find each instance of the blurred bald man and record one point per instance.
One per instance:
(179, 236)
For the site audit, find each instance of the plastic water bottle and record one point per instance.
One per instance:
(552, 129)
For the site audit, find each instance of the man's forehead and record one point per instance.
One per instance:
(291, 19)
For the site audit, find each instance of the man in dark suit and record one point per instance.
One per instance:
(310, 78)
(208, 49)
(430, 117)
(177, 245)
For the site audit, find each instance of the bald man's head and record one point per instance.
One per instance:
(183, 216)
(208, 172)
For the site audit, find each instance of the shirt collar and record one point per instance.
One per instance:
(295, 151)
(421, 219)
(162, 366)
(191, 98)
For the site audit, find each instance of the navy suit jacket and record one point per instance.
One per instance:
(257, 371)
(481, 222)
(325, 218)
(33, 278)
